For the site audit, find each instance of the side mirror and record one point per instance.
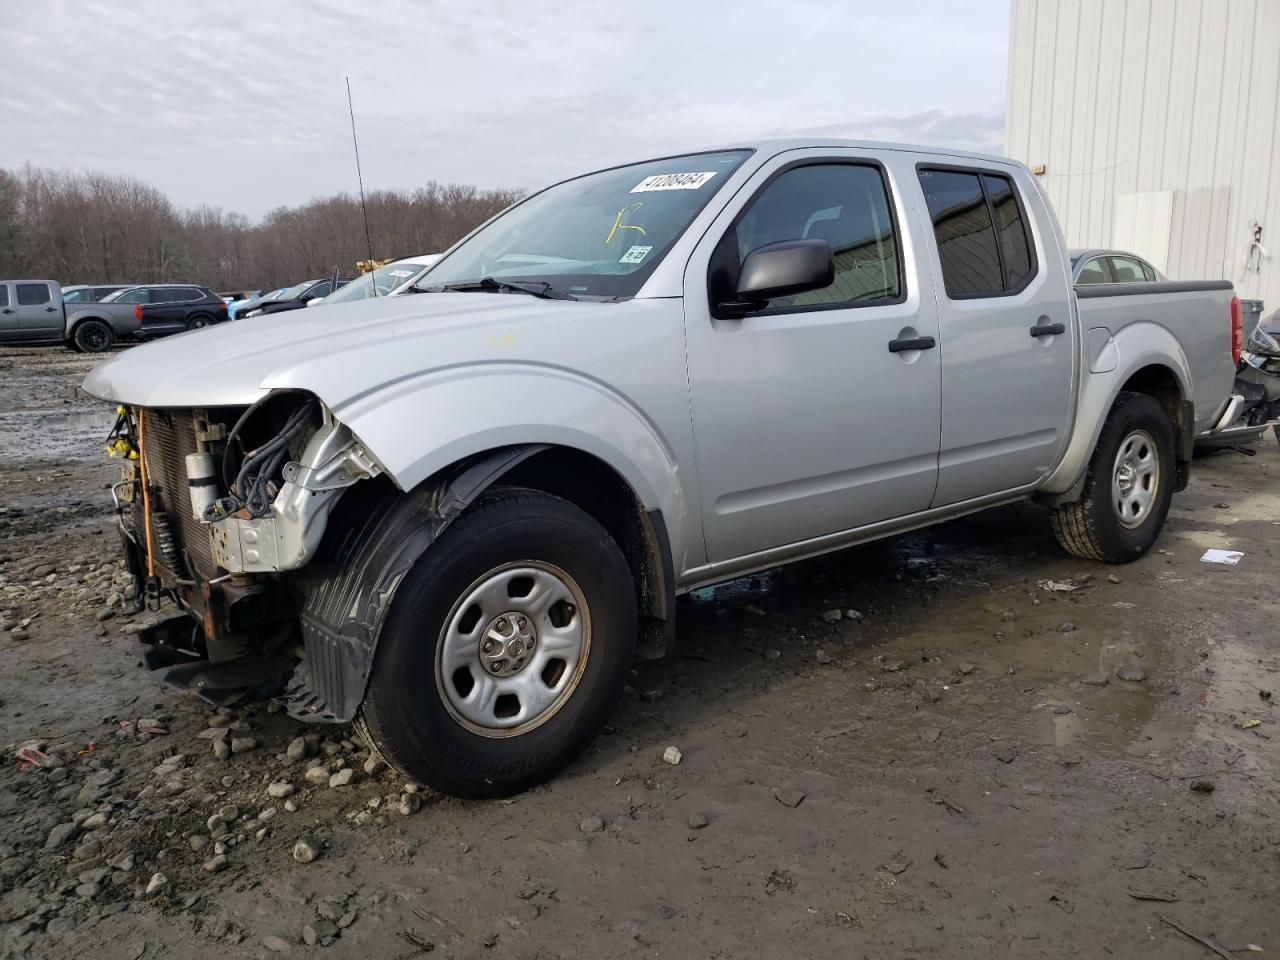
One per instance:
(780, 270)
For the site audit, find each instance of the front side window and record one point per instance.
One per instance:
(845, 204)
(984, 247)
(77, 296)
(599, 236)
(1093, 271)
(33, 294)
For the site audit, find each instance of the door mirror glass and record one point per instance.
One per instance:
(781, 269)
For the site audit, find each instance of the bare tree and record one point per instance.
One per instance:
(99, 228)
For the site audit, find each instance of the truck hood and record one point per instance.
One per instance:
(337, 353)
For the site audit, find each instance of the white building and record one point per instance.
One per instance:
(1157, 124)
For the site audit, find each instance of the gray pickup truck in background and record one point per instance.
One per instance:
(454, 516)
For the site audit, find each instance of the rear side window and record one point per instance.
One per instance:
(1130, 270)
(4, 295)
(168, 295)
(100, 292)
(33, 294)
(984, 246)
(845, 204)
(77, 296)
(1011, 232)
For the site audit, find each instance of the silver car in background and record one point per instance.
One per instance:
(1111, 266)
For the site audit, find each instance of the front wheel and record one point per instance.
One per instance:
(505, 649)
(1128, 488)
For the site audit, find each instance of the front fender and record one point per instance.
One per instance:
(422, 424)
(1134, 347)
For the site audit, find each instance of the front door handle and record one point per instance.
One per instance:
(8, 309)
(1044, 328)
(912, 343)
(50, 309)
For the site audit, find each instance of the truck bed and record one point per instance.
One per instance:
(1197, 316)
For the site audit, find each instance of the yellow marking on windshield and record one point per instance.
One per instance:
(619, 225)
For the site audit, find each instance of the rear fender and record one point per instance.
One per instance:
(1137, 346)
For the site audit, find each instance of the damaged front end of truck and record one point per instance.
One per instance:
(219, 510)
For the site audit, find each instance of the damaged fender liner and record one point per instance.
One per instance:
(375, 536)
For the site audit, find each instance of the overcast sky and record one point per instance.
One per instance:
(242, 105)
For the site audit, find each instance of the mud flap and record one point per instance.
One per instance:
(376, 534)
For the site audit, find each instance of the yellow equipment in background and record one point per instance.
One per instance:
(368, 266)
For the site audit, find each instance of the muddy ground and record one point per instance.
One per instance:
(942, 773)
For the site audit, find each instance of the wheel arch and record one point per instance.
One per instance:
(76, 322)
(377, 532)
(1159, 371)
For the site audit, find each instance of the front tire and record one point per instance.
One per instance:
(506, 647)
(93, 336)
(1128, 488)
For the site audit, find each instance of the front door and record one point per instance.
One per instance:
(32, 313)
(1008, 338)
(805, 423)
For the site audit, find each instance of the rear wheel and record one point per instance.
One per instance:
(196, 323)
(1128, 488)
(92, 336)
(505, 649)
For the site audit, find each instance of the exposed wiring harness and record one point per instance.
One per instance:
(253, 483)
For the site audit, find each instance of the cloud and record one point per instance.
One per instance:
(243, 106)
(982, 131)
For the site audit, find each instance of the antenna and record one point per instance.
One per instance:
(368, 239)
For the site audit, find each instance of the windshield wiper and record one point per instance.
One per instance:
(536, 288)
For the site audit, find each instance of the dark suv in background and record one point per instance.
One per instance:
(175, 309)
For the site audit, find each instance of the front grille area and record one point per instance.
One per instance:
(169, 436)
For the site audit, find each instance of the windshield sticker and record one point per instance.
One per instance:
(402, 273)
(673, 181)
(635, 255)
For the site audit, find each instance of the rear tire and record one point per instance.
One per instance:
(92, 336)
(465, 699)
(199, 323)
(1128, 488)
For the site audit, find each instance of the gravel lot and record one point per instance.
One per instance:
(908, 749)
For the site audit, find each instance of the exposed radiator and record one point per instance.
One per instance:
(169, 437)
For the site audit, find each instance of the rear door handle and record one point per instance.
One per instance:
(1044, 328)
(8, 310)
(912, 343)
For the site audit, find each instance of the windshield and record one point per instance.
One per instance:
(114, 295)
(293, 293)
(600, 235)
(383, 281)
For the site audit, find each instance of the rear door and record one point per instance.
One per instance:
(166, 313)
(37, 311)
(805, 423)
(1008, 344)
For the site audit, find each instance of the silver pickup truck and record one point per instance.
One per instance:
(455, 517)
